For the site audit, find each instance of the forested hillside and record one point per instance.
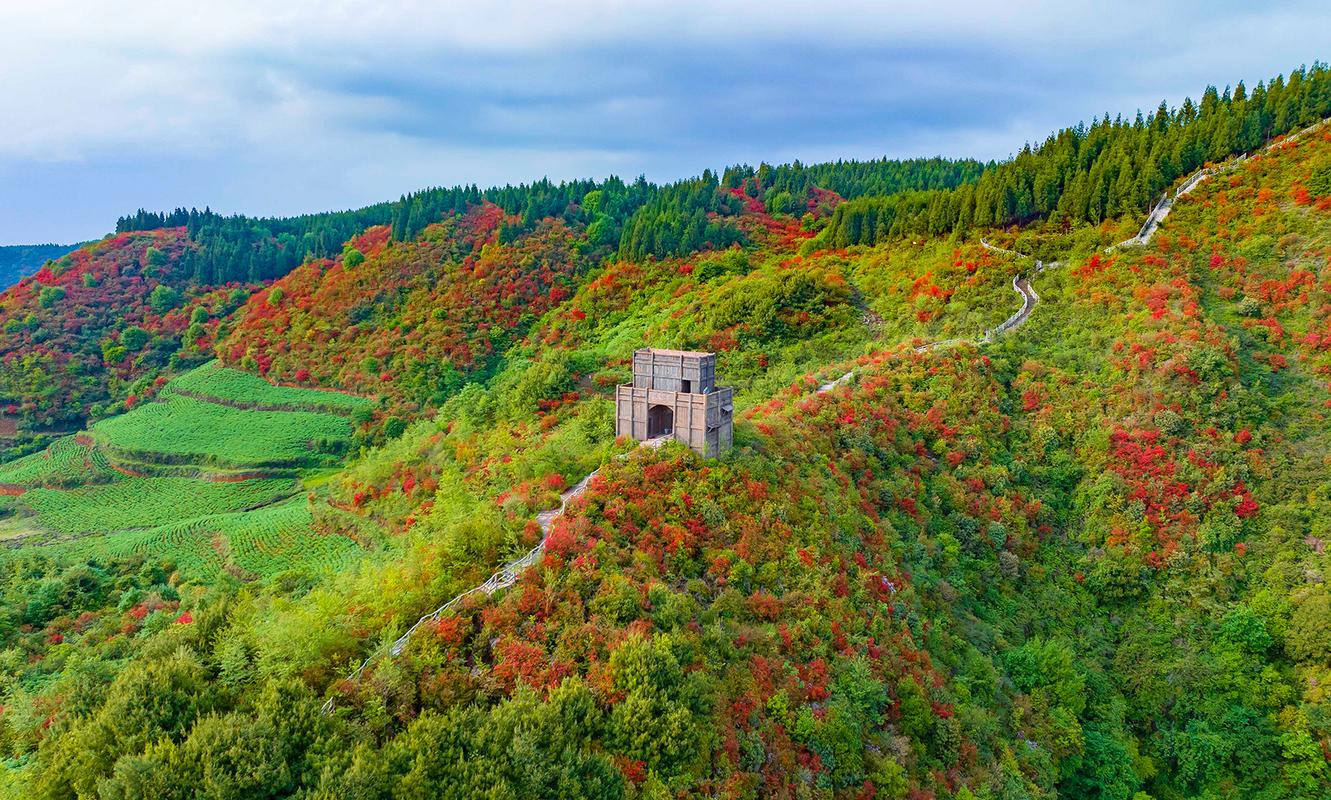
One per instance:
(1083, 557)
(1091, 173)
(89, 333)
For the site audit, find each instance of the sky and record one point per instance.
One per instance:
(271, 108)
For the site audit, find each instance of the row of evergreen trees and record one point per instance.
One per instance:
(642, 219)
(1089, 174)
(646, 219)
(1081, 174)
(534, 202)
(689, 215)
(852, 179)
(679, 219)
(251, 249)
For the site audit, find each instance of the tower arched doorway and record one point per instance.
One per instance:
(660, 421)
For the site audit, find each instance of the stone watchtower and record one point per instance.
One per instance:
(674, 394)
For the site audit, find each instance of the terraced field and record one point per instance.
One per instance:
(255, 543)
(182, 429)
(217, 383)
(130, 503)
(208, 475)
(68, 462)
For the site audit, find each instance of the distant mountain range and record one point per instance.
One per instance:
(20, 260)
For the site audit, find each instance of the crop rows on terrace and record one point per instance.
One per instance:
(181, 429)
(208, 483)
(155, 468)
(212, 381)
(65, 462)
(260, 543)
(131, 502)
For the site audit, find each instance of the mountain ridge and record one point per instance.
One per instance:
(1082, 559)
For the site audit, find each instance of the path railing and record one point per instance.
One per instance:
(1020, 284)
(505, 577)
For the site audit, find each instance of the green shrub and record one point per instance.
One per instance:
(163, 298)
(50, 295)
(134, 338)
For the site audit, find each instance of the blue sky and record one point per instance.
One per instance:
(106, 107)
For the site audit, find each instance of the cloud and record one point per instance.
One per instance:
(267, 108)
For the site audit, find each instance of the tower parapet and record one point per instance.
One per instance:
(674, 394)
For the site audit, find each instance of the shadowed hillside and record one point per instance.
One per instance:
(20, 260)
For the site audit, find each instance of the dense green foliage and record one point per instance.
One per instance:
(242, 249)
(1085, 560)
(851, 179)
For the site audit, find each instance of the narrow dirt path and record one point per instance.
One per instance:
(1166, 203)
(1021, 284)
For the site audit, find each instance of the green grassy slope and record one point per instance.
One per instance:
(214, 484)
